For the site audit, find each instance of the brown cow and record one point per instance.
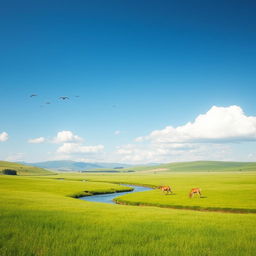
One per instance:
(166, 189)
(195, 191)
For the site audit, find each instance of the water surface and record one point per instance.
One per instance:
(108, 198)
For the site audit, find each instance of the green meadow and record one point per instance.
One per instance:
(40, 215)
(232, 191)
(196, 166)
(23, 169)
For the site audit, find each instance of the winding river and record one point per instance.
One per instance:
(108, 198)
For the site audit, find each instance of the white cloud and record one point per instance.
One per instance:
(210, 136)
(251, 157)
(117, 132)
(163, 153)
(4, 136)
(76, 148)
(219, 124)
(37, 140)
(66, 136)
(71, 147)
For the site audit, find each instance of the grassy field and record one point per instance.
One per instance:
(40, 217)
(209, 166)
(197, 166)
(23, 169)
(232, 191)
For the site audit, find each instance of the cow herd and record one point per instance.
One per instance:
(194, 191)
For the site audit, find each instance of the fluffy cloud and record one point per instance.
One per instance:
(76, 148)
(66, 136)
(72, 144)
(37, 140)
(219, 124)
(4, 136)
(209, 136)
(117, 132)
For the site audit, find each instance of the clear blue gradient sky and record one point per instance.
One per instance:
(138, 66)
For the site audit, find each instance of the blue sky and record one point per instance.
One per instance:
(138, 66)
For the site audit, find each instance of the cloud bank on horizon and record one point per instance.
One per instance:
(209, 137)
(75, 148)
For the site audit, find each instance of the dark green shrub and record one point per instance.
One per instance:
(9, 172)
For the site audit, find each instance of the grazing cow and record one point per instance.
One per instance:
(166, 189)
(194, 191)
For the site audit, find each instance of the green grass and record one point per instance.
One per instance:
(38, 217)
(197, 166)
(232, 191)
(210, 166)
(23, 169)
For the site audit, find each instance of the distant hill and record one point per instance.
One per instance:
(77, 166)
(199, 166)
(23, 169)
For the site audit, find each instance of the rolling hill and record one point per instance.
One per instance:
(23, 169)
(76, 166)
(199, 166)
(72, 166)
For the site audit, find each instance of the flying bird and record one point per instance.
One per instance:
(33, 95)
(64, 98)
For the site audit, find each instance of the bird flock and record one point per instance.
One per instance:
(62, 98)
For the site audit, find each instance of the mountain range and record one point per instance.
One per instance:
(66, 165)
